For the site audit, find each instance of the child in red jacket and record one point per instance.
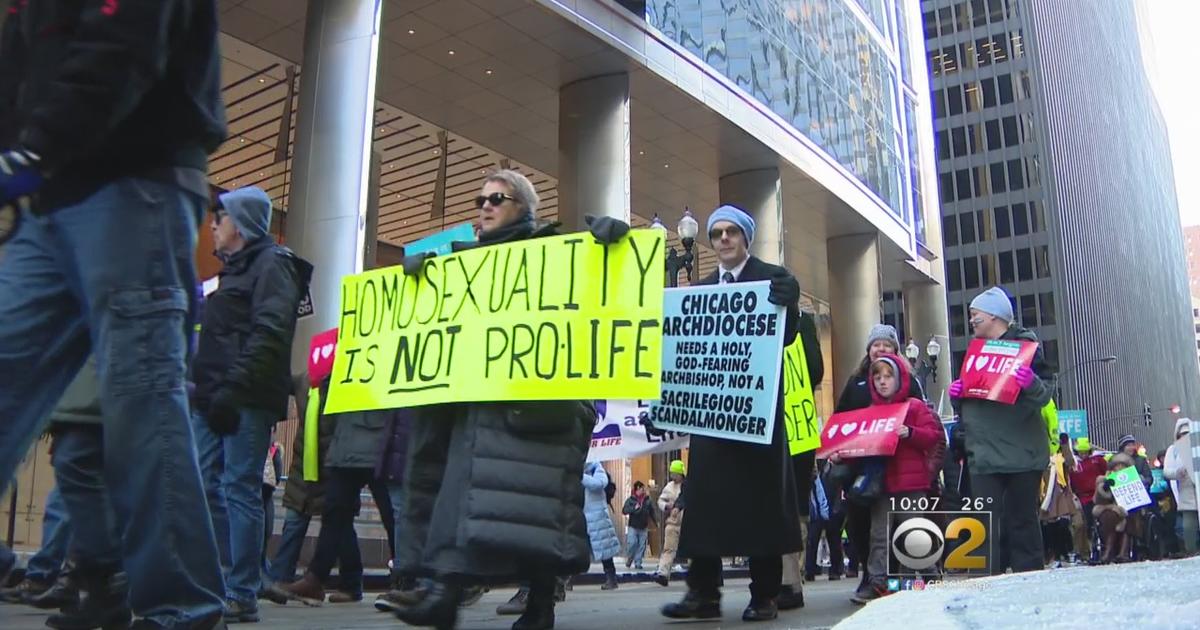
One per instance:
(908, 471)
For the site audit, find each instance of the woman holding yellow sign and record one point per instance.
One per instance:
(493, 491)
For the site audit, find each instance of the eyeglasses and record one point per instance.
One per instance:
(731, 231)
(978, 320)
(495, 199)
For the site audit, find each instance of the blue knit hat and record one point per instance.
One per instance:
(736, 216)
(250, 209)
(994, 302)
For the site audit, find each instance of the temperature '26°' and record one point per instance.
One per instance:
(976, 504)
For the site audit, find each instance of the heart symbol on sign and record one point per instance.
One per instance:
(832, 431)
(980, 361)
(849, 428)
(326, 350)
(316, 355)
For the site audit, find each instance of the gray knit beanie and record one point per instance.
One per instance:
(883, 332)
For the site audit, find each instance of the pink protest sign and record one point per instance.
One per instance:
(989, 369)
(863, 432)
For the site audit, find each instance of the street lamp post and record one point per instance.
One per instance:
(1058, 375)
(687, 229)
(926, 368)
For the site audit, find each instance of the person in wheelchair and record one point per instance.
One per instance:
(1117, 527)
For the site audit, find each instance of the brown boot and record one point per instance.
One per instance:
(307, 590)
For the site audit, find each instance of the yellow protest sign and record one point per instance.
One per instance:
(799, 404)
(556, 318)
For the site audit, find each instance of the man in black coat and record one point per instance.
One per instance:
(241, 372)
(759, 478)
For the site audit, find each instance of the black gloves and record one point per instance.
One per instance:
(414, 263)
(644, 419)
(607, 230)
(223, 417)
(1108, 483)
(785, 291)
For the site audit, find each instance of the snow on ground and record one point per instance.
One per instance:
(1159, 595)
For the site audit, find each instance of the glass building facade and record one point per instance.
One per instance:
(1036, 139)
(837, 70)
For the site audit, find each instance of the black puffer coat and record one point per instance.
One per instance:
(493, 488)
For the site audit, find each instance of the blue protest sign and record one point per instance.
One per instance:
(722, 352)
(1073, 422)
(439, 243)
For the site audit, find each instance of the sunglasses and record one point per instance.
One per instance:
(731, 231)
(495, 199)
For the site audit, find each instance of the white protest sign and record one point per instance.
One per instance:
(620, 435)
(1128, 489)
(722, 352)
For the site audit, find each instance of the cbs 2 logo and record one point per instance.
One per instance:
(918, 543)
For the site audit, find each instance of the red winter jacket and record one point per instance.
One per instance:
(1083, 481)
(909, 470)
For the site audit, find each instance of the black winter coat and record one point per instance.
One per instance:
(639, 517)
(127, 89)
(249, 321)
(493, 488)
(757, 478)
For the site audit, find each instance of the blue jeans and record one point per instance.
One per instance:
(291, 542)
(114, 274)
(56, 532)
(268, 498)
(79, 473)
(232, 469)
(636, 540)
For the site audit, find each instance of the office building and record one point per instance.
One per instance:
(1056, 183)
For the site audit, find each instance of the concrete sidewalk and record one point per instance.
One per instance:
(630, 607)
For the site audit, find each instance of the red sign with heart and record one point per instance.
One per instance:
(320, 356)
(863, 432)
(989, 369)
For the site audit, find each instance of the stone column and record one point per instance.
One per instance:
(593, 149)
(927, 318)
(854, 300)
(331, 190)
